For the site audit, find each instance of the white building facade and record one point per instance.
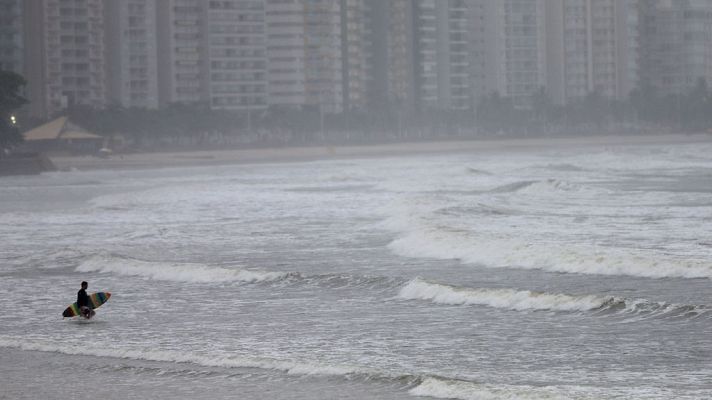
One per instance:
(304, 54)
(237, 57)
(132, 57)
(66, 44)
(591, 47)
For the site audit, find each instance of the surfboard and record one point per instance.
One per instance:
(95, 301)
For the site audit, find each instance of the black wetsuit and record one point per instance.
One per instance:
(82, 298)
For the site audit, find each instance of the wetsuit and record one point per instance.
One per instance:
(83, 303)
(82, 298)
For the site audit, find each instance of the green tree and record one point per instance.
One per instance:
(10, 100)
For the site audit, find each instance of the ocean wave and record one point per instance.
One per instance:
(418, 289)
(476, 171)
(444, 388)
(478, 209)
(540, 187)
(46, 259)
(466, 390)
(553, 185)
(177, 272)
(425, 386)
(511, 187)
(331, 188)
(232, 361)
(423, 241)
(199, 273)
(187, 193)
(659, 310)
(563, 167)
(523, 300)
(419, 385)
(340, 281)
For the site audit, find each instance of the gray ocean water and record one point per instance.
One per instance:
(576, 273)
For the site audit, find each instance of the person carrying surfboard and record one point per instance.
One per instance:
(83, 301)
(86, 303)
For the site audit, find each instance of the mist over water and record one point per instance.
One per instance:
(572, 273)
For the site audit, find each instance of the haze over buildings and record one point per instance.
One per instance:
(341, 55)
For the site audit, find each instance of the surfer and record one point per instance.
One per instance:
(83, 301)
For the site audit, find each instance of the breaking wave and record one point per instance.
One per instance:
(417, 385)
(177, 272)
(200, 273)
(553, 185)
(418, 289)
(476, 171)
(423, 241)
(523, 300)
(466, 390)
(545, 186)
(512, 187)
(227, 361)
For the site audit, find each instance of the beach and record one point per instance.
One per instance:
(310, 153)
(534, 269)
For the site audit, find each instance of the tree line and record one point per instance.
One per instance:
(197, 125)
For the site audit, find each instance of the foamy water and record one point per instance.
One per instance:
(178, 272)
(555, 274)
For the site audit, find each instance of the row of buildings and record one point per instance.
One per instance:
(348, 54)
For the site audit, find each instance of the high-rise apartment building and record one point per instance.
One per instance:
(65, 44)
(212, 52)
(400, 68)
(443, 54)
(390, 54)
(132, 62)
(354, 50)
(676, 50)
(11, 36)
(476, 45)
(456, 81)
(591, 45)
(340, 55)
(304, 53)
(515, 48)
(236, 59)
(428, 30)
(181, 51)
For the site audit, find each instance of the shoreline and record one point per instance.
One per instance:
(193, 158)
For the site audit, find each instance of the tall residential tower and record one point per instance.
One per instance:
(132, 58)
(65, 44)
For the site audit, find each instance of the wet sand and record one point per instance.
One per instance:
(290, 154)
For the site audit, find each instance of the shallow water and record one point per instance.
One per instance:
(578, 273)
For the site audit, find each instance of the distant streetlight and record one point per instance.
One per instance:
(13, 120)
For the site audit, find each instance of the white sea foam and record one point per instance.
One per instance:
(443, 388)
(464, 390)
(232, 361)
(423, 241)
(177, 272)
(177, 194)
(418, 289)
